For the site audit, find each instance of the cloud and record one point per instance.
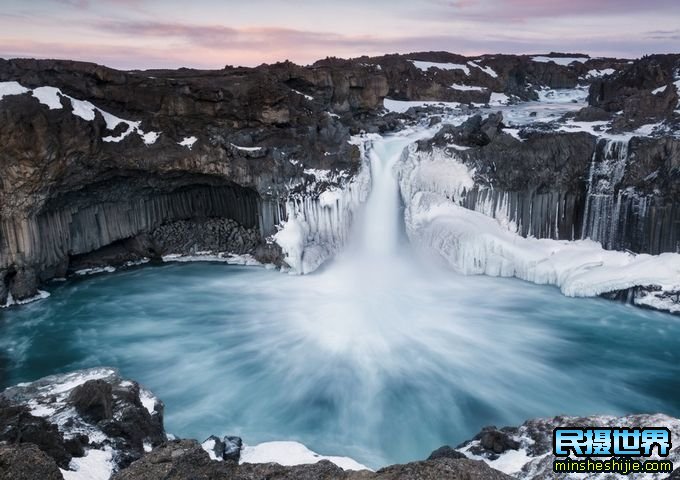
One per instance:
(663, 35)
(522, 10)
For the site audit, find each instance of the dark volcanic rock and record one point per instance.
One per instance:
(18, 426)
(494, 441)
(445, 452)
(177, 460)
(93, 400)
(232, 448)
(631, 91)
(83, 410)
(27, 462)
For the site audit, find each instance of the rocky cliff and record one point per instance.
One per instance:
(99, 165)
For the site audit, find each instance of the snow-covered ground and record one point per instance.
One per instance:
(292, 453)
(534, 457)
(48, 398)
(53, 97)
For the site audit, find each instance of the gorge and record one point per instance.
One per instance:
(384, 188)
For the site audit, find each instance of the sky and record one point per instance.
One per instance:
(138, 34)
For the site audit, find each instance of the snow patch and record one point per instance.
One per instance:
(308, 97)
(221, 257)
(188, 142)
(488, 70)
(425, 66)
(600, 73)
(564, 61)
(401, 106)
(467, 88)
(246, 149)
(95, 465)
(11, 88)
(49, 96)
(293, 453)
(148, 400)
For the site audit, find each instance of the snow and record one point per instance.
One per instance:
(95, 270)
(292, 453)
(600, 73)
(222, 257)
(432, 185)
(425, 66)
(246, 149)
(466, 88)
(659, 90)
(488, 70)
(536, 434)
(308, 97)
(564, 61)
(148, 400)
(209, 446)
(188, 142)
(149, 137)
(49, 96)
(401, 106)
(95, 465)
(499, 99)
(11, 88)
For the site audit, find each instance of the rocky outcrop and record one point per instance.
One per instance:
(26, 462)
(532, 442)
(69, 416)
(645, 91)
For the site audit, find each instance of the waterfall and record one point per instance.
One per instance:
(602, 214)
(381, 225)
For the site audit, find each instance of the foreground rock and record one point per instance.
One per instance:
(185, 459)
(525, 452)
(85, 419)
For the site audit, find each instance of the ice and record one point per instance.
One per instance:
(12, 301)
(318, 224)
(292, 453)
(95, 465)
(425, 66)
(473, 243)
(488, 70)
(564, 95)
(11, 88)
(464, 88)
(564, 61)
(188, 142)
(49, 96)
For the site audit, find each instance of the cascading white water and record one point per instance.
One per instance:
(379, 229)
